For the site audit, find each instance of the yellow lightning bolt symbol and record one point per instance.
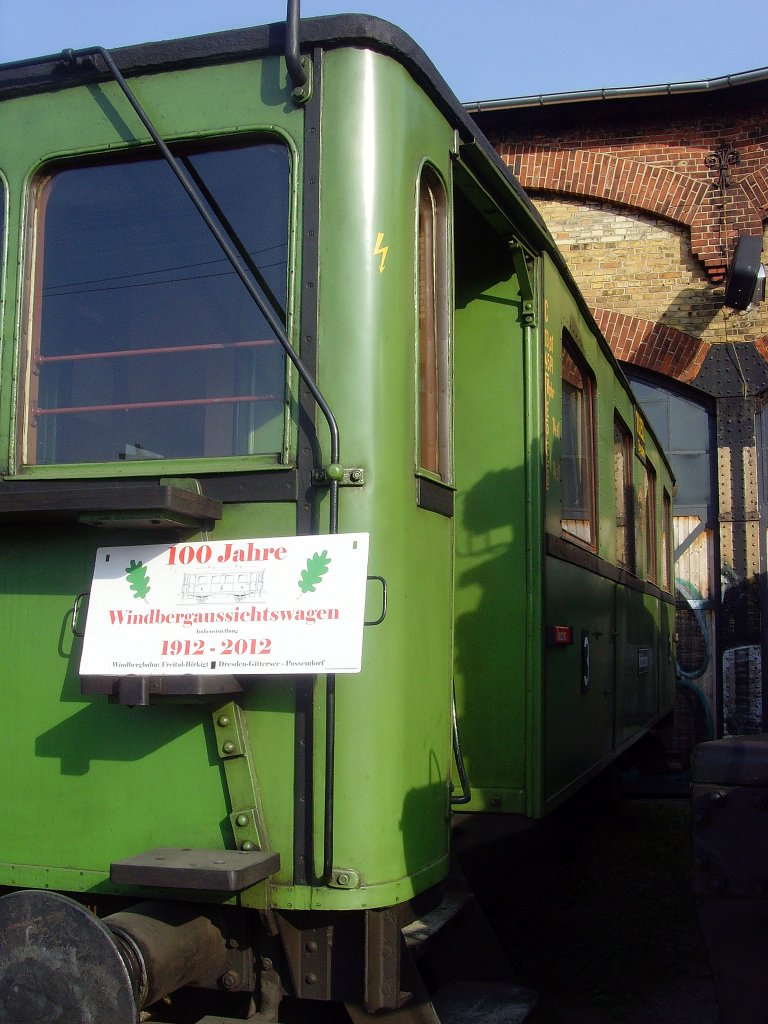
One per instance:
(381, 250)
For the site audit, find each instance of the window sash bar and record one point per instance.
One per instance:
(216, 346)
(172, 403)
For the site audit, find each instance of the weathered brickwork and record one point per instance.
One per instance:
(640, 269)
(662, 169)
(633, 192)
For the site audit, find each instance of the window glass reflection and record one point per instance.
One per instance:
(145, 343)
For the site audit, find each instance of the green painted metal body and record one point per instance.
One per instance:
(87, 782)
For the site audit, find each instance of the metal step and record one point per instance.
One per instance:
(476, 1002)
(184, 868)
(216, 1019)
(418, 933)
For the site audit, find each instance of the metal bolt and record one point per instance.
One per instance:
(248, 846)
(242, 820)
(223, 721)
(310, 978)
(356, 476)
(495, 801)
(718, 797)
(229, 747)
(342, 878)
(266, 963)
(311, 947)
(230, 980)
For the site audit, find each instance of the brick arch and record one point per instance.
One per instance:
(645, 186)
(755, 187)
(762, 346)
(652, 345)
(583, 172)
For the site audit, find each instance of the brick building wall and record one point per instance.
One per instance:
(641, 266)
(646, 194)
(633, 193)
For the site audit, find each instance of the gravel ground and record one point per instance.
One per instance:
(597, 915)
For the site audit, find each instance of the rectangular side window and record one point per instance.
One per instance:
(144, 343)
(577, 447)
(623, 497)
(666, 544)
(651, 551)
(434, 305)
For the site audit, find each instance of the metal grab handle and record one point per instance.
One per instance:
(383, 582)
(466, 790)
(584, 662)
(76, 613)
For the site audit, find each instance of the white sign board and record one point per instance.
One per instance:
(280, 605)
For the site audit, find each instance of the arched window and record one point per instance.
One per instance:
(434, 451)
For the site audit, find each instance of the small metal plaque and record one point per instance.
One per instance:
(172, 867)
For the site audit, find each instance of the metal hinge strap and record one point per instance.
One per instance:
(234, 748)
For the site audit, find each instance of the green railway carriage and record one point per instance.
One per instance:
(257, 295)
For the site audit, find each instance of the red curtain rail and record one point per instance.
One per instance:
(174, 403)
(169, 350)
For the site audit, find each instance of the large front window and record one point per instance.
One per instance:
(144, 343)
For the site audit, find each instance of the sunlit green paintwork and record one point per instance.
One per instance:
(88, 782)
(583, 731)
(114, 781)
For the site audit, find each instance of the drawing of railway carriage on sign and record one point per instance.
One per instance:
(223, 587)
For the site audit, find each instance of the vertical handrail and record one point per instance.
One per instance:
(296, 69)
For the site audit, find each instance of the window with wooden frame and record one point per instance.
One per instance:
(144, 344)
(651, 550)
(577, 447)
(434, 298)
(666, 543)
(623, 494)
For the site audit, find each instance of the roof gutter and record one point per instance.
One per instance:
(620, 93)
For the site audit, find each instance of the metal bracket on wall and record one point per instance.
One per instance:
(526, 284)
(234, 748)
(353, 476)
(302, 94)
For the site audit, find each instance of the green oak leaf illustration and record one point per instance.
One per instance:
(136, 574)
(317, 567)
